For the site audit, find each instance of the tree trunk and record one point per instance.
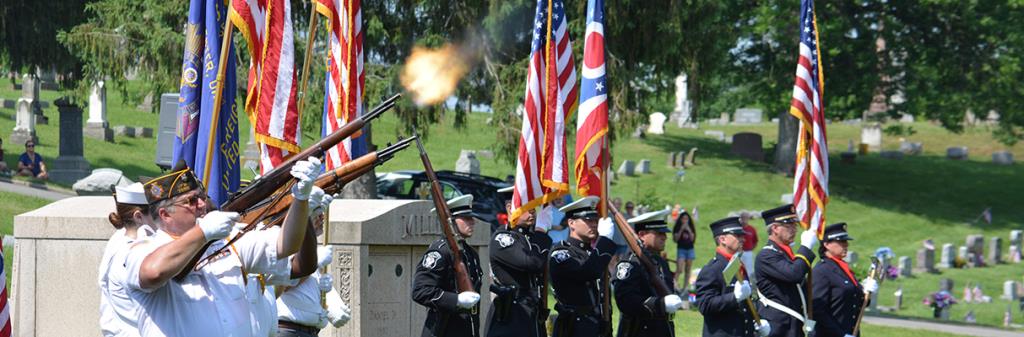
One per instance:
(785, 147)
(365, 187)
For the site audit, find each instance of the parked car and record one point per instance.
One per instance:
(487, 203)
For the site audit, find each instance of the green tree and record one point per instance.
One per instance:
(28, 31)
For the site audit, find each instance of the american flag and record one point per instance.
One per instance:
(592, 122)
(271, 101)
(5, 307)
(343, 101)
(810, 182)
(542, 168)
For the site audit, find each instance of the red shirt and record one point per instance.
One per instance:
(749, 240)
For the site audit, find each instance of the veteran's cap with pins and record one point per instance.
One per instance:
(730, 225)
(837, 232)
(171, 184)
(650, 221)
(585, 208)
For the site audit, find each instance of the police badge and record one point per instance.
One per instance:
(430, 260)
(622, 270)
(504, 239)
(560, 255)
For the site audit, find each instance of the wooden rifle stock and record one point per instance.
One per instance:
(634, 245)
(444, 216)
(280, 179)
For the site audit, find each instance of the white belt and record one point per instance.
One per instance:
(778, 306)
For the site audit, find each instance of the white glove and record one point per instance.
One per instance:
(316, 197)
(809, 239)
(809, 325)
(673, 303)
(869, 285)
(763, 329)
(324, 256)
(468, 299)
(326, 282)
(306, 172)
(217, 225)
(741, 291)
(849, 335)
(321, 322)
(339, 315)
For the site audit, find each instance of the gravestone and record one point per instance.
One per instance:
(906, 118)
(976, 244)
(723, 118)
(24, 112)
(905, 266)
(946, 284)
(645, 166)
(747, 116)
(123, 130)
(961, 253)
(911, 148)
(748, 145)
(871, 134)
(926, 260)
(681, 113)
(70, 165)
(639, 132)
(1014, 255)
(956, 152)
(690, 159)
(1016, 236)
(895, 155)
(1010, 290)
(1002, 157)
(716, 134)
(671, 160)
(97, 126)
(947, 257)
(467, 162)
(995, 250)
(851, 257)
(627, 168)
(657, 123)
(100, 182)
(144, 132)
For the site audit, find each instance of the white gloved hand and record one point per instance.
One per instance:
(339, 315)
(763, 329)
(869, 285)
(809, 325)
(316, 197)
(741, 291)
(326, 282)
(217, 225)
(468, 299)
(809, 239)
(324, 256)
(673, 303)
(321, 322)
(849, 335)
(306, 172)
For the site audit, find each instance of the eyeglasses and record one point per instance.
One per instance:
(191, 201)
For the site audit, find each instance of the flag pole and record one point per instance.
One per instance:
(218, 93)
(309, 54)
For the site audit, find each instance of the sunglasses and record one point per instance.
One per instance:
(191, 201)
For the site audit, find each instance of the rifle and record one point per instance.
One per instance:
(631, 238)
(280, 179)
(331, 182)
(444, 215)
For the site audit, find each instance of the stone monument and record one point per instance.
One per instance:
(96, 126)
(656, 123)
(748, 146)
(956, 152)
(905, 266)
(681, 113)
(70, 165)
(995, 250)
(467, 162)
(627, 168)
(645, 166)
(1010, 290)
(24, 115)
(1002, 157)
(947, 257)
(747, 116)
(871, 134)
(926, 260)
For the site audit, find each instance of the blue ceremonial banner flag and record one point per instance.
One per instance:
(207, 138)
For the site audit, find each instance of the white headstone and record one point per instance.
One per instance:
(906, 266)
(98, 105)
(871, 134)
(962, 253)
(1010, 290)
(467, 162)
(645, 166)
(1002, 157)
(747, 116)
(681, 112)
(906, 118)
(657, 123)
(627, 168)
(1015, 254)
(716, 134)
(995, 250)
(956, 152)
(947, 257)
(1016, 237)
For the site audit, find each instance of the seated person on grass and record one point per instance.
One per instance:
(31, 163)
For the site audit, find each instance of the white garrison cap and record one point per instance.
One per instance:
(582, 208)
(130, 195)
(460, 205)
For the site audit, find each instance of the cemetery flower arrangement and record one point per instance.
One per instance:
(940, 299)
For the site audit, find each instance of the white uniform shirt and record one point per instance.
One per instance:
(118, 312)
(301, 303)
(210, 301)
(262, 299)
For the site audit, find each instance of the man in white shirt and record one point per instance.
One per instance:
(210, 300)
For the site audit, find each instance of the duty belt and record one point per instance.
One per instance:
(578, 310)
(298, 327)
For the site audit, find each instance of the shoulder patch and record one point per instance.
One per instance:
(560, 255)
(622, 270)
(504, 239)
(430, 259)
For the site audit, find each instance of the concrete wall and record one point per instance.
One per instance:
(377, 245)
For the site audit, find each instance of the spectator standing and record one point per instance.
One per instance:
(684, 234)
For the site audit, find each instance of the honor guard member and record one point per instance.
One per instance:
(118, 312)
(838, 297)
(449, 312)
(518, 257)
(723, 302)
(644, 313)
(781, 274)
(577, 265)
(210, 300)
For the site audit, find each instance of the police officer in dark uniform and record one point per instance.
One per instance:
(838, 296)
(577, 266)
(781, 273)
(518, 258)
(723, 305)
(449, 312)
(644, 313)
